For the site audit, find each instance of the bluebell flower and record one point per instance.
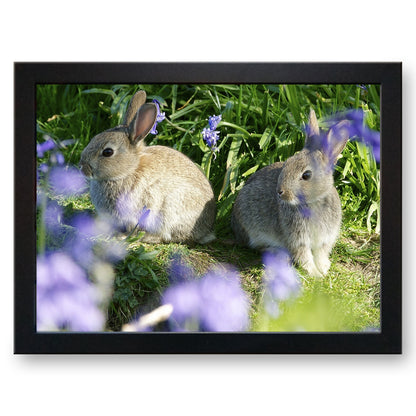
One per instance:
(87, 248)
(179, 271)
(52, 216)
(160, 117)
(304, 208)
(143, 218)
(224, 305)
(81, 249)
(215, 302)
(81, 245)
(185, 299)
(280, 279)
(372, 140)
(85, 225)
(210, 137)
(357, 130)
(57, 158)
(67, 181)
(42, 148)
(214, 121)
(65, 298)
(149, 221)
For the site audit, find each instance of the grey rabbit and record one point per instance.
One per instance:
(154, 188)
(294, 205)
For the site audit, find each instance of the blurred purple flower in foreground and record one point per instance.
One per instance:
(179, 271)
(67, 181)
(215, 302)
(52, 216)
(46, 146)
(87, 248)
(160, 117)
(357, 130)
(144, 218)
(280, 279)
(65, 297)
(305, 210)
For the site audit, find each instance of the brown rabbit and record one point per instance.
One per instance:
(156, 189)
(294, 205)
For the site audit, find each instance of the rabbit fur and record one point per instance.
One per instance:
(130, 182)
(294, 205)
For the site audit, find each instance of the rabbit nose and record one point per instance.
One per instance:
(86, 169)
(280, 192)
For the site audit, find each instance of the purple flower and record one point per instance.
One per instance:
(210, 137)
(52, 216)
(43, 167)
(67, 181)
(216, 302)
(91, 227)
(81, 250)
(179, 271)
(57, 158)
(144, 218)
(185, 299)
(372, 140)
(149, 221)
(42, 148)
(357, 130)
(280, 279)
(224, 303)
(86, 249)
(160, 117)
(85, 225)
(214, 121)
(65, 297)
(305, 210)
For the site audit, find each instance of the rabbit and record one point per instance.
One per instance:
(294, 205)
(156, 189)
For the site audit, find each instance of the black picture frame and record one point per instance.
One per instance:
(28, 341)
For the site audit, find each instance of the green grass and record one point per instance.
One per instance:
(260, 124)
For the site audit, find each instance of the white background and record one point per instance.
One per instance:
(216, 31)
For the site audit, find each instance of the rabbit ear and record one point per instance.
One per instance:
(330, 144)
(313, 127)
(338, 136)
(136, 102)
(142, 123)
(314, 138)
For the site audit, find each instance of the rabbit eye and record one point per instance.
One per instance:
(306, 175)
(108, 152)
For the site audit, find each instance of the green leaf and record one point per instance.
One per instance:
(100, 91)
(374, 208)
(148, 255)
(234, 149)
(250, 171)
(265, 138)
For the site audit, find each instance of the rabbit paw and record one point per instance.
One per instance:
(306, 260)
(312, 270)
(322, 261)
(323, 264)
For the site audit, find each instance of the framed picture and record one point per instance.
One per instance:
(199, 208)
